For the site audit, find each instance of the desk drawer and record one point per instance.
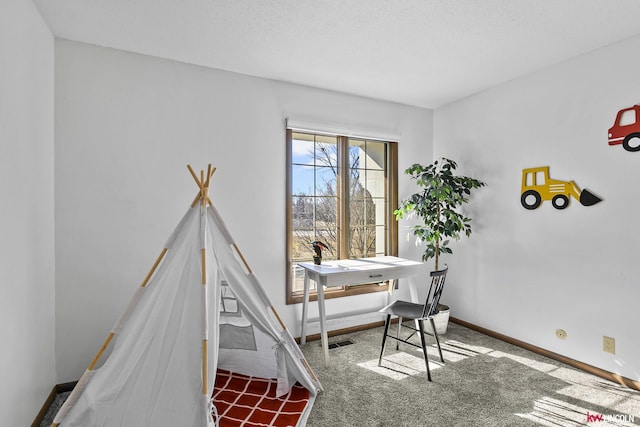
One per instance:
(355, 277)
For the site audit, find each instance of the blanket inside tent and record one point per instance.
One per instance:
(199, 317)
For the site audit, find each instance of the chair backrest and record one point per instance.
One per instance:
(435, 291)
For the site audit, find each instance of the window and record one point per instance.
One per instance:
(341, 191)
(627, 117)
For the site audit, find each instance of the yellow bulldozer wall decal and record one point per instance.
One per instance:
(537, 187)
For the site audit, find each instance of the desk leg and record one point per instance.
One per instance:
(323, 323)
(392, 284)
(305, 309)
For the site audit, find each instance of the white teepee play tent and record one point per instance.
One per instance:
(199, 310)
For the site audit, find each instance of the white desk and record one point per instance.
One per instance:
(350, 272)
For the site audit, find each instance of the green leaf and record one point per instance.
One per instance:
(442, 194)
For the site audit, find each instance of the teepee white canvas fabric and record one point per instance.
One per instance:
(200, 309)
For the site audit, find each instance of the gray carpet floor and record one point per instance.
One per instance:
(483, 382)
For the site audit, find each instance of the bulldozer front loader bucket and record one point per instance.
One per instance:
(587, 198)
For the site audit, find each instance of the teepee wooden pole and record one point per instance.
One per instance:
(193, 174)
(195, 178)
(106, 343)
(153, 268)
(278, 317)
(210, 172)
(244, 261)
(102, 349)
(205, 358)
(203, 256)
(203, 196)
(309, 370)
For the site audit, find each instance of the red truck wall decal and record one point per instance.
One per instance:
(626, 129)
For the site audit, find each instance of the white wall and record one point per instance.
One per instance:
(26, 212)
(127, 125)
(526, 273)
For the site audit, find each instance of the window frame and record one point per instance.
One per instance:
(391, 191)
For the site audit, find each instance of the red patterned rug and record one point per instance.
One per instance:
(251, 402)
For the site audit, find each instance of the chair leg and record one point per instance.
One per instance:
(424, 347)
(398, 333)
(384, 338)
(435, 334)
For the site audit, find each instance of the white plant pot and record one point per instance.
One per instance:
(441, 320)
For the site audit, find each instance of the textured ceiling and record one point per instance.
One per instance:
(424, 53)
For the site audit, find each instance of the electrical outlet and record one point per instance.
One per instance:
(609, 345)
(561, 334)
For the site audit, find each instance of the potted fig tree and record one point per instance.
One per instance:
(437, 204)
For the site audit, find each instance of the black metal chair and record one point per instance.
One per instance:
(419, 313)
